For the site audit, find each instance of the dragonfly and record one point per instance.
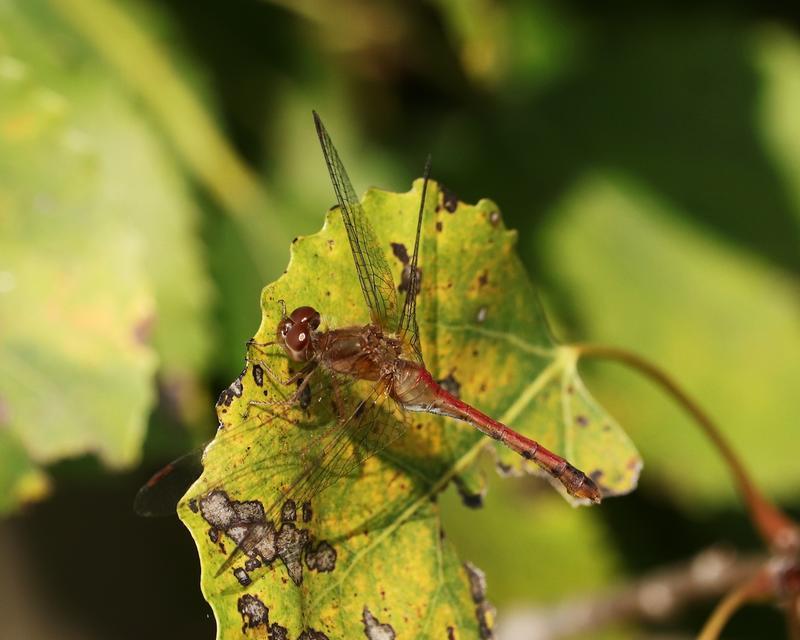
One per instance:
(385, 357)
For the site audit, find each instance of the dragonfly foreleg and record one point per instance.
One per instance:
(299, 375)
(302, 376)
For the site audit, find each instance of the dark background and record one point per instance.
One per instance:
(649, 157)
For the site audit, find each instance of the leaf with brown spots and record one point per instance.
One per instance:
(373, 541)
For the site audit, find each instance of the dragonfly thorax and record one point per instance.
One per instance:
(363, 352)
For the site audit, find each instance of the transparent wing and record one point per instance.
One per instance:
(368, 426)
(407, 327)
(161, 494)
(376, 280)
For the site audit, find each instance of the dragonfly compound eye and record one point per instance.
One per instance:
(283, 329)
(307, 315)
(297, 340)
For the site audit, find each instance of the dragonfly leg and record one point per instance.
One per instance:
(338, 401)
(252, 343)
(299, 375)
(294, 398)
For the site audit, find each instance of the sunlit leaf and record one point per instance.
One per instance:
(484, 336)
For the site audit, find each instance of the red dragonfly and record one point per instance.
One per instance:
(386, 354)
(387, 351)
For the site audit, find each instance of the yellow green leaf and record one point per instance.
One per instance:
(369, 549)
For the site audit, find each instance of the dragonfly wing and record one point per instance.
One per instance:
(371, 427)
(407, 326)
(161, 494)
(376, 280)
(294, 448)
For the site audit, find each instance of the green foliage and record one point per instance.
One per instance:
(98, 260)
(648, 155)
(620, 247)
(482, 329)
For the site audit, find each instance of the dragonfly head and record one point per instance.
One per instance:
(295, 331)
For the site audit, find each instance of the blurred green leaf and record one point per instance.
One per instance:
(102, 281)
(579, 555)
(20, 480)
(484, 332)
(777, 54)
(722, 322)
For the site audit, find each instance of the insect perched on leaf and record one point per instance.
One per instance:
(372, 376)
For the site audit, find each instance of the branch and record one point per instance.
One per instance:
(758, 587)
(652, 598)
(778, 531)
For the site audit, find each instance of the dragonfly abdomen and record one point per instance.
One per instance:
(416, 390)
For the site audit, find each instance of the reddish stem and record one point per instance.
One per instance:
(779, 532)
(759, 587)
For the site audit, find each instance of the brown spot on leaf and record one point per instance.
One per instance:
(485, 613)
(439, 225)
(582, 420)
(277, 632)
(312, 634)
(241, 521)
(322, 559)
(405, 279)
(483, 610)
(289, 511)
(307, 512)
(504, 469)
(242, 576)
(449, 199)
(470, 498)
(233, 391)
(450, 384)
(483, 279)
(477, 582)
(374, 629)
(289, 544)
(258, 375)
(254, 612)
(400, 252)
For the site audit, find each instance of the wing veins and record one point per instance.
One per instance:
(374, 276)
(408, 318)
